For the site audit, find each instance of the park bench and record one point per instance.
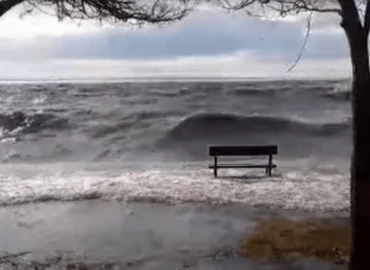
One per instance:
(260, 150)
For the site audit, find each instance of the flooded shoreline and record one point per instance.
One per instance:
(137, 235)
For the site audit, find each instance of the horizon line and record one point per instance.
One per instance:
(163, 79)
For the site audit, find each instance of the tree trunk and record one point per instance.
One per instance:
(360, 167)
(6, 5)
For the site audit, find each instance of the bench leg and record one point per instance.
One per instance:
(270, 166)
(215, 167)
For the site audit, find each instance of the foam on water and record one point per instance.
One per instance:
(319, 190)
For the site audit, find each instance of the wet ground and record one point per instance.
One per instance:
(62, 235)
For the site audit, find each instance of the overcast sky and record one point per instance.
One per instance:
(207, 43)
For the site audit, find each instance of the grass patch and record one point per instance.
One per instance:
(278, 238)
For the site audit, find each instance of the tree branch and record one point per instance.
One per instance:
(136, 11)
(308, 31)
(6, 5)
(282, 6)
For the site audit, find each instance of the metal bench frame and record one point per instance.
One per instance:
(245, 150)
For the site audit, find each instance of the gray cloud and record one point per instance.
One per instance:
(206, 43)
(322, 45)
(204, 34)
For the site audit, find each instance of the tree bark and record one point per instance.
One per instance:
(360, 172)
(6, 5)
(360, 167)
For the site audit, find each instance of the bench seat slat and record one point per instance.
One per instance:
(236, 166)
(256, 150)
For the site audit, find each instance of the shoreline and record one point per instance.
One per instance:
(236, 208)
(137, 235)
(305, 189)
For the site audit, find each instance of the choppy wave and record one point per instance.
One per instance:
(250, 91)
(39, 88)
(111, 120)
(31, 123)
(170, 93)
(221, 125)
(171, 123)
(190, 138)
(340, 92)
(344, 95)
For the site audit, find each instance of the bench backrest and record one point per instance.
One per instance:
(255, 150)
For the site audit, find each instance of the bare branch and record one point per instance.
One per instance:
(308, 31)
(136, 11)
(284, 7)
(120, 10)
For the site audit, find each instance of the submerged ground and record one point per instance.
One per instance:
(113, 235)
